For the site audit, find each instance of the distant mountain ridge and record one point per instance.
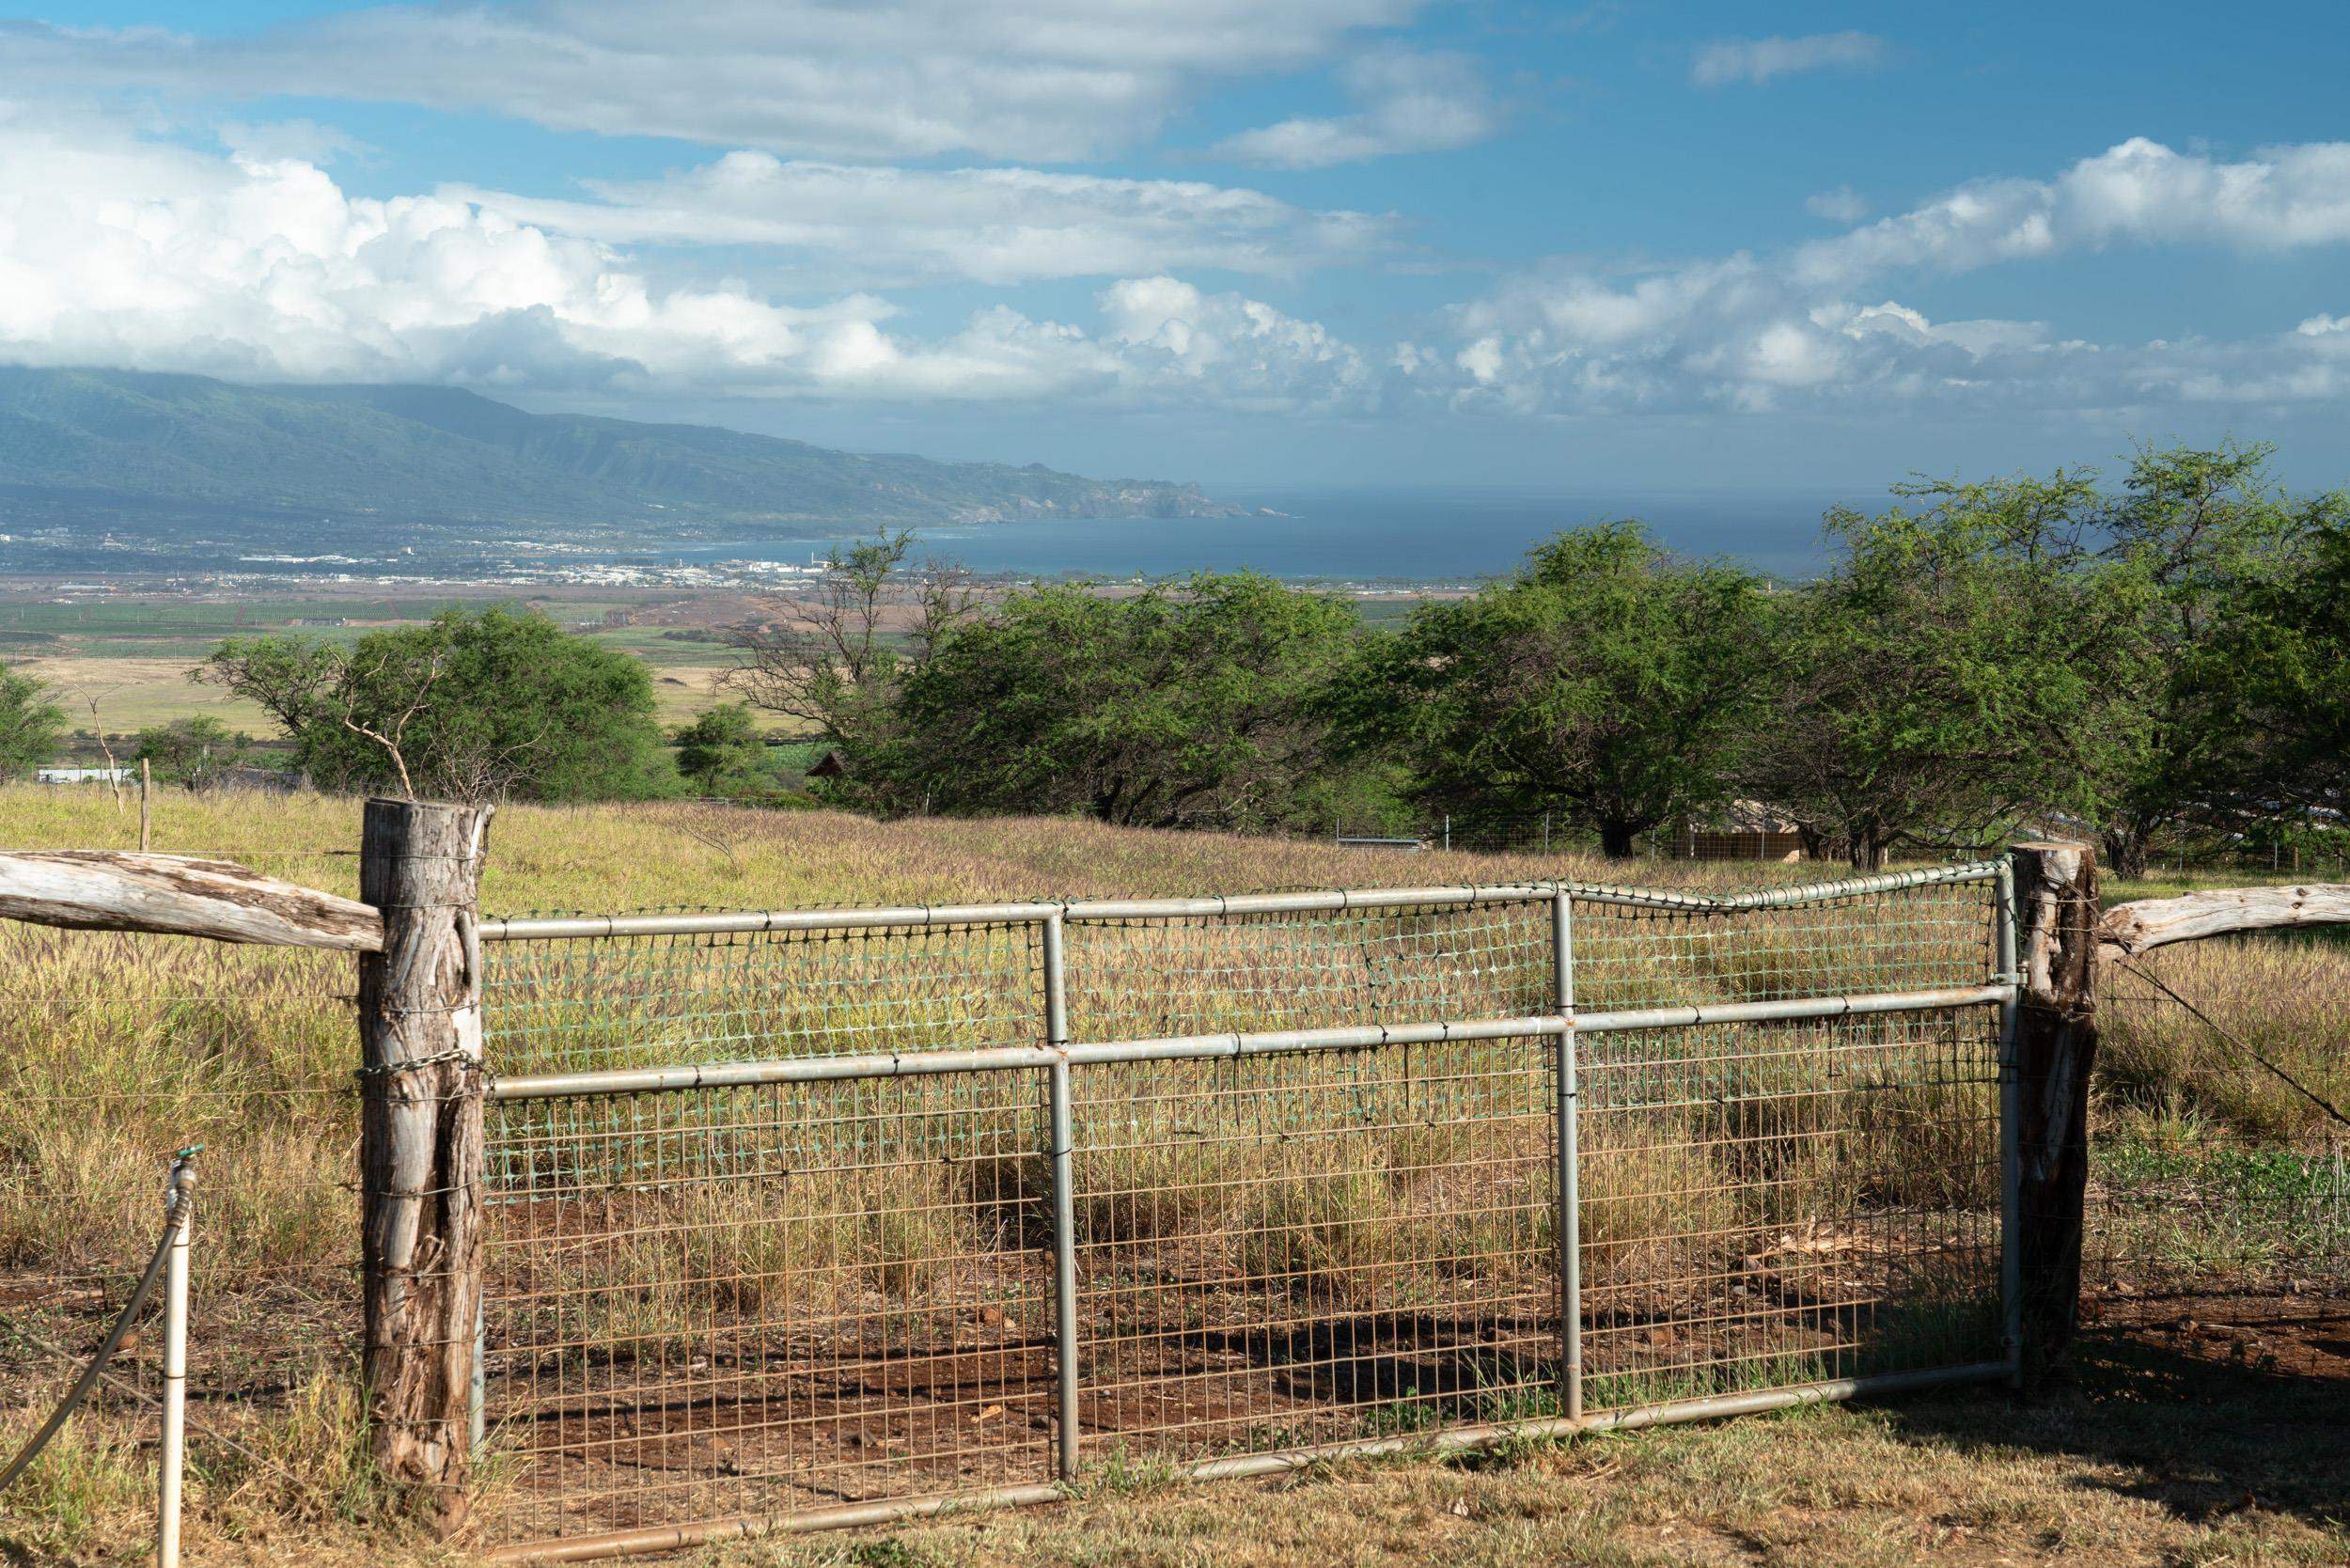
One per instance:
(114, 444)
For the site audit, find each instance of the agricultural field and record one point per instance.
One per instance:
(114, 1051)
(133, 653)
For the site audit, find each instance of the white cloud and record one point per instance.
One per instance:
(1407, 103)
(1840, 205)
(1751, 334)
(1028, 79)
(120, 252)
(1758, 60)
(1257, 356)
(883, 226)
(2141, 192)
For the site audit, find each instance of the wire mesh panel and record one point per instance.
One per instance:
(1903, 939)
(1219, 973)
(764, 1300)
(1279, 1251)
(837, 1283)
(683, 999)
(1766, 1204)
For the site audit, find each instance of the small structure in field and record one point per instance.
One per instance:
(84, 776)
(1744, 830)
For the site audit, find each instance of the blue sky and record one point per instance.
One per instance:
(1608, 247)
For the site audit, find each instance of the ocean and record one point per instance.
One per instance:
(1367, 537)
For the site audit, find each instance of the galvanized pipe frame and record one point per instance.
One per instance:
(1455, 1439)
(1095, 910)
(2005, 971)
(1058, 1056)
(806, 1070)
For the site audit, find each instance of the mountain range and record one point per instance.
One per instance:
(136, 452)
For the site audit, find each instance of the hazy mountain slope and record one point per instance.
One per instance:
(144, 442)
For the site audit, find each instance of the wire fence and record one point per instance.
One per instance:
(1082, 1189)
(2219, 1200)
(828, 1216)
(114, 1049)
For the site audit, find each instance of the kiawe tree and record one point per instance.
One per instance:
(1188, 704)
(722, 752)
(485, 705)
(1942, 677)
(31, 726)
(1609, 679)
(2201, 557)
(2281, 671)
(195, 753)
(834, 656)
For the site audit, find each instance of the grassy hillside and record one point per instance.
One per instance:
(124, 448)
(115, 1050)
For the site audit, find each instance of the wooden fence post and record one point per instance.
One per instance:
(420, 1144)
(2056, 1051)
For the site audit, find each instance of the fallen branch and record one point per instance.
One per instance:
(179, 896)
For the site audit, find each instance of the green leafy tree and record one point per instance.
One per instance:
(723, 753)
(2197, 541)
(194, 753)
(1190, 704)
(2282, 668)
(482, 705)
(30, 726)
(1942, 679)
(1608, 681)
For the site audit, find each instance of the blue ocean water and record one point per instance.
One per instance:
(1359, 535)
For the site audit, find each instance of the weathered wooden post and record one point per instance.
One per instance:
(420, 1144)
(2056, 1051)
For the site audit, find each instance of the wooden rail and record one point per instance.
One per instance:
(179, 896)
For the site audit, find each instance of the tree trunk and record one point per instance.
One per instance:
(2056, 1051)
(421, 1146)
(2128, 849)
(1615, 840)
(1868, 850)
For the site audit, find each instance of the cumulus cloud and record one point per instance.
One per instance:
(1025, 79)
(1407, 103)
(997, 226)
(253, 264)
(121, 252)
(2139, 192)
(1257, 356)
(1758, 60)
(1809, 328)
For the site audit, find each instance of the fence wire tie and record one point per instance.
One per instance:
(391, 1069)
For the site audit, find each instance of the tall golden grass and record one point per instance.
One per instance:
(116, 1050)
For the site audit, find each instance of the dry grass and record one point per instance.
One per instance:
(2094, 1477)
(112, 1052)
(2285, 998)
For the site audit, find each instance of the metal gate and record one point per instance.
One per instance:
(834, 1216)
